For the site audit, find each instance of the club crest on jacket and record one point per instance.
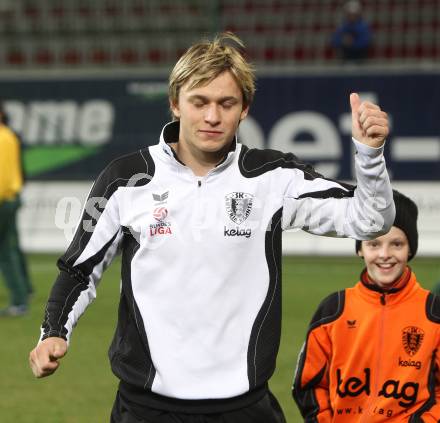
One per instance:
(239, 206)
(412, 338)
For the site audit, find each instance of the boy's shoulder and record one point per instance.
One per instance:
(329, 310)
(433, 307)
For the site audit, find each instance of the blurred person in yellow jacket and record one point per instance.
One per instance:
(12, 261)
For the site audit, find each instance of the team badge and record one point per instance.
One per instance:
(238, 206)
(412, 338)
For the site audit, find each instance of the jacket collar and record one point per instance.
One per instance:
(406, 287)
(170, 134)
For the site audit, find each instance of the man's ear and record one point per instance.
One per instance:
(175, 109)
(244, 113)
(360, 253)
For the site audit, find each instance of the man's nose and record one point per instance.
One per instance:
(212, 115)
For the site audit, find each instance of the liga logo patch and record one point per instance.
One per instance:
(160, 213)
(239, 206)
(412, 338)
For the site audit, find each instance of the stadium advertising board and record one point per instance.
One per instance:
(71, 128)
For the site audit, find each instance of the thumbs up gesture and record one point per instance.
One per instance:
(369, 122)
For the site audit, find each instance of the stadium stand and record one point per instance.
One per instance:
(75, 33)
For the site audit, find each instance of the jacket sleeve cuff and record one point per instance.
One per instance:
(366, 150)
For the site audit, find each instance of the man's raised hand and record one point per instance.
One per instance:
(369, 122)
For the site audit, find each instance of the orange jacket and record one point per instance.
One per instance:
(371, 357)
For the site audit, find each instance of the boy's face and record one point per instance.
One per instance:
(386, 257)
(209, 115)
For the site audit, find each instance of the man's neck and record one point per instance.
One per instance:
(198, 161)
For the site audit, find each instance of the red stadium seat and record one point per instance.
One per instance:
(155, 55)
(72, 56)
(43, 56)
(100, 56)
(15, 57)
(129, 56)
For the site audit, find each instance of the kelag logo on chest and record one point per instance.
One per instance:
(238, 207)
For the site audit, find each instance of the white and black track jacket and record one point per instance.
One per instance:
(200, 305)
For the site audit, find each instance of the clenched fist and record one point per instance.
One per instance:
(44, 359)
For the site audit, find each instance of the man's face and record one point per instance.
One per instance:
(386, 257)
(209, 115)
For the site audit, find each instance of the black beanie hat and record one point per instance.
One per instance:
(406, 220)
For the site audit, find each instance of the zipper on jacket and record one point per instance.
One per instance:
(199, 212)
(374, 389)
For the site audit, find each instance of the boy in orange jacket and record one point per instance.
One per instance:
(372, 351)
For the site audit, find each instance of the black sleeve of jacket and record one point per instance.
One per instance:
(94, 244)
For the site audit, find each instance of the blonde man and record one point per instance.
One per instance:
(198, 218)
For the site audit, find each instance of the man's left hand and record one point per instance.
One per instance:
(369, 122)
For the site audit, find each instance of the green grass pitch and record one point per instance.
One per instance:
(83, 389)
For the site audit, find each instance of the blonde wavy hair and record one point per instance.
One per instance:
(206, 60)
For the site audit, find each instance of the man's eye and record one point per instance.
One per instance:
(230, 104)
